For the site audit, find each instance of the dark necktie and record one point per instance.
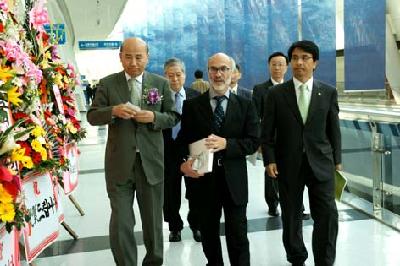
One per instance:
(219, 115)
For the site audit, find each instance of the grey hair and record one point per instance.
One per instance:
(174, 62)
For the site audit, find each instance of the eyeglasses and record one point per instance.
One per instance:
(215, 70)
(303, 58)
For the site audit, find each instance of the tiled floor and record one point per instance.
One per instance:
(361, 241)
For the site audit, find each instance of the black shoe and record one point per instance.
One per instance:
(196, 235)
(175, 236)
(273, 212)
(306, 216)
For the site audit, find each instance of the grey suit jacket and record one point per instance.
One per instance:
(285, 138)
(126, 136)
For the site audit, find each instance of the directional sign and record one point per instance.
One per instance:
(96, 45)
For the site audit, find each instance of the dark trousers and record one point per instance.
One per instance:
(216, 197)
(323, 211)
(271, 192)
(172, 195)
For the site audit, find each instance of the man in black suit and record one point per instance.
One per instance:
(301, 145)
(277, 65)
(175, 72)
(230, 125)
(235, 87)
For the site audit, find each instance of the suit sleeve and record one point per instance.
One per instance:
(100, 113)
(249, 143)
(167, 117)
(268, 130)
(333, 128)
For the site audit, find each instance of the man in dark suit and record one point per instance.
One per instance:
(277, 65)
(235, 87)
(136, 105)
(230, 125)
(301, 145)
(175, 72)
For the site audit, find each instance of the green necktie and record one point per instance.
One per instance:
(134, 87)
(303, 102)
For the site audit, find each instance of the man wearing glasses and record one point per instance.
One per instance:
(301, 146)
(230, 125)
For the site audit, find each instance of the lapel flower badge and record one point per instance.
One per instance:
(152, 96)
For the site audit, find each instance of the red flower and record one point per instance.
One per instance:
(36, 157)
(5, 174)
(1, 27)
(26, 146)
(13, 187)
(19, 115)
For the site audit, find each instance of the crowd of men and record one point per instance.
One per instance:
(152, 120)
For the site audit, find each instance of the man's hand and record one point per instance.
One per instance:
(123, 111)
(272, 170)
(187, 170)
(215, 143)
(144, 116)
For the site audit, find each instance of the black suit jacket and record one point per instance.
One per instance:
(284, 137)
(241, 130)
(259, 92)
(242, 91)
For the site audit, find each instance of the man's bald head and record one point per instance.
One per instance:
(134, 56)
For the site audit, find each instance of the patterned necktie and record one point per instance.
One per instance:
(219, 115)
(303, 102)
(178, 104)
(134, 87)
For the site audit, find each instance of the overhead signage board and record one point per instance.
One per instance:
(99, 45)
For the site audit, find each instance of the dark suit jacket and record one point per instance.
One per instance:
(167, 133)
(259, 92)
(242, 91)
(122, 134)
(284, 137)
(241, 130)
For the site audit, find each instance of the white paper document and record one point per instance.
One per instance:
(203, 157)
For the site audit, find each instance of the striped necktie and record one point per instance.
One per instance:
(219, 115)
(134, 86)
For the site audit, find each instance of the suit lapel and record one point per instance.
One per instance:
(315, 94)
(290, 96)
(230, 112)
(123, 89)
(204, 109)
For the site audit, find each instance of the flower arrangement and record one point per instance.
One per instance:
(152, 96)
(13, 212)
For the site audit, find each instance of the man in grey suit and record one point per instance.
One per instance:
(301, 146)
(136, 105)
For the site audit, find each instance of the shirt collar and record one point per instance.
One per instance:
(298, 83)
(234, 89)
(276, 82)
(213, 94)
(181, 92)
(138, 78)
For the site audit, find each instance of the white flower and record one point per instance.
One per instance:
(9, 145)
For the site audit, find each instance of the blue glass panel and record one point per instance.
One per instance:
(364, 47)
(319, 26)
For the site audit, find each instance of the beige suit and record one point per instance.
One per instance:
(127, 172)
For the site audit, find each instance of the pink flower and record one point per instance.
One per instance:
(153, 97)
(4, 6)
(38, 16)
